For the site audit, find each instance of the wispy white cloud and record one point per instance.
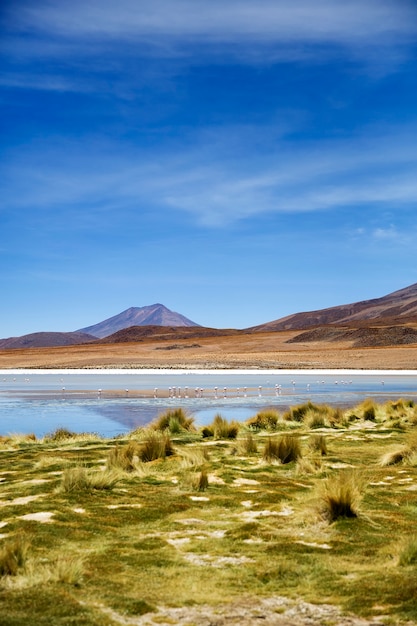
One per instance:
(276, 20)
(168, 27)
(214, 184)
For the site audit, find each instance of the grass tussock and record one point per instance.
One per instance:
(306, 467)
(248, 445)
(408, 552)
(202, 481)
(155, 445)
(194, 457)
(402, 454)
(175, 421)
(318, 443)
(340, 496)
(124, 458)
(220, 428)
(13, 556)
(315, 415)
(17, 440)
(264, 420)
(366, 410)
(284, 449)
(81, 479)
(60, 434)
(69, 570)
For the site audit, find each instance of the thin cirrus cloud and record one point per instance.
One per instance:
(167, 25)
(373, 170)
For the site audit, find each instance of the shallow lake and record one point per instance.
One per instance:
(111, 402)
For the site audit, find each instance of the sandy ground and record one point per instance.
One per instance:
(260, 350)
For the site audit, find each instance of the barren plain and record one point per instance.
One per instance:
(246, 350)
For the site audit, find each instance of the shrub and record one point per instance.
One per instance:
(340, 496)
(175, 420)
(264, 420)
(156, 445)
(13, 556)
(284, 449)
(318, 443)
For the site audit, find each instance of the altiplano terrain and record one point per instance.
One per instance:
(241, 350)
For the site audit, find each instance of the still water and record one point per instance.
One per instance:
(111, 402)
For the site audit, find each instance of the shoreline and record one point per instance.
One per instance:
(208, 372)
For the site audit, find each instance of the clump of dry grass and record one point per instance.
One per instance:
(18, 439)
(175, 421)
(193, 457)
(366, 410)
(408, 552)
(248, 445)
(284, 449)
(264, 420)
(69, 570)
(297, 413)
(340, 496)
(80, 478)
(124, 458)
(318, 443)
(305, 466)
(222, 429)
(202, 481)
(401, 454)
(13, 556)
(60, 434)
(155, 445)
(315, 415)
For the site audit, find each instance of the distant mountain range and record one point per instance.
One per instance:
(380, 321)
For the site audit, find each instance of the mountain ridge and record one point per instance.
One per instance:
(397, 309)
(399, 306)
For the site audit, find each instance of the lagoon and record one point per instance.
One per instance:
(112, 402)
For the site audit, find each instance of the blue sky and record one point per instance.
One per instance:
(236, 161)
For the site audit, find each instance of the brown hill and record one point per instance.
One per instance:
(162, 333)
(45, 340)
(395, 308)
(360, 337)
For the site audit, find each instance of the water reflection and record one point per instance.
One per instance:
(110, 404)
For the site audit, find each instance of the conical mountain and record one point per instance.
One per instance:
(152, 315)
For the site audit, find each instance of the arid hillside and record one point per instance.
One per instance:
(395, 308)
